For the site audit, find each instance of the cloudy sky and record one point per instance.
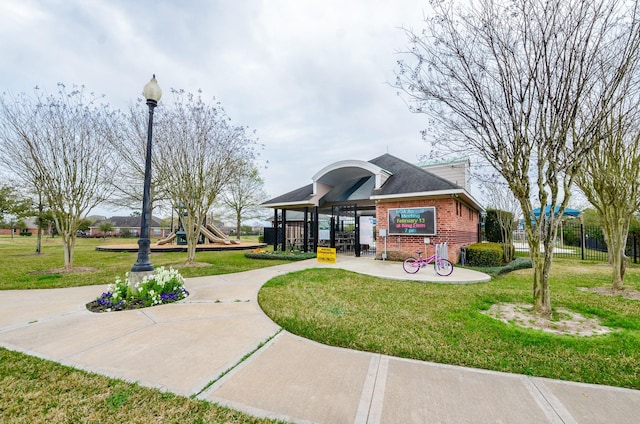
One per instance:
(311, 77)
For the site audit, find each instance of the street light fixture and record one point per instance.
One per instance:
(143, 266)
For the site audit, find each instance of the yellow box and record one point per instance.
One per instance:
(326, 255)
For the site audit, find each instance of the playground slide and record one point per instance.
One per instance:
(220, 234)
(167, 239)
(212, 237)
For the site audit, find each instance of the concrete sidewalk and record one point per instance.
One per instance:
(394, 271)
(185, 346)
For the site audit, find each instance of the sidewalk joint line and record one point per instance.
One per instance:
(368, 390)
(548, 402)
(379, 391)
(234, 366)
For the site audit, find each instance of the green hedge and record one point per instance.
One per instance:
(517, 263)
(287, 256)
(485, 254)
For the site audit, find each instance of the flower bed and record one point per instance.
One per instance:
(165, 286)
(292, 255)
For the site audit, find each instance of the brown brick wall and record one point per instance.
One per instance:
(456, 224)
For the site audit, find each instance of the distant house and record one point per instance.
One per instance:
(128, 225)
(31, 227)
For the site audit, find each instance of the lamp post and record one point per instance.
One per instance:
(143, 266)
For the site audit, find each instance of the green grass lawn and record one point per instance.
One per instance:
(432, 322)
(444, 323)
(26, 270)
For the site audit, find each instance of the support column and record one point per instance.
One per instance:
(357, 230)
(316, 229)
(332, 234)
(305, 227)
(284, 230)
(275, 230)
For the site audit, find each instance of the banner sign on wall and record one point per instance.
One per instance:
(416, 221)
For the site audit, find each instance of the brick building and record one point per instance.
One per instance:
(386, 206)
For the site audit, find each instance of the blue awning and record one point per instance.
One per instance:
(547, 209)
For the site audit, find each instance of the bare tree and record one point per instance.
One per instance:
(57, 144)
(201, 151)
(130, 148)
(243, 195)
(611, 179)
(510, 81)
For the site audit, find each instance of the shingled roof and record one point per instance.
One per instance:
(302, 194)
(404, 180)
(409, 178)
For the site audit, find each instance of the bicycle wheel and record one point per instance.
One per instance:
(411, 265)
(443, 267)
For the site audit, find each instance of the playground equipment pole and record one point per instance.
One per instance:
(143, 266)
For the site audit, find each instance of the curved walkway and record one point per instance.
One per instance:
(184, 347)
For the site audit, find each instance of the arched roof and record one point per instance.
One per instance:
(340, 171)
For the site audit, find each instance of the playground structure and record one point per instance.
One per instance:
(208, 232)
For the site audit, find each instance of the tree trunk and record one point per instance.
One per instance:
(541, 262)
(238, 226)
(191, 250)
(541, 292)
(615, 230)
(617, 269)
(39, 238)
(192, 230)
(68, 243)
(39, 235)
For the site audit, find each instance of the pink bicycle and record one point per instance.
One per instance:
(412, 265)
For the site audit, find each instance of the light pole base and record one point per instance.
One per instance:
(136, 277)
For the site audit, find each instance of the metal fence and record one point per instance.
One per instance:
(586, 242)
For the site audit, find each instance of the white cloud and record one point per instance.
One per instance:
(310, 77)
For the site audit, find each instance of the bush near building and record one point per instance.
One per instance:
(485, 254)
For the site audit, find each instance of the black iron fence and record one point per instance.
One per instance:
(586, 242)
